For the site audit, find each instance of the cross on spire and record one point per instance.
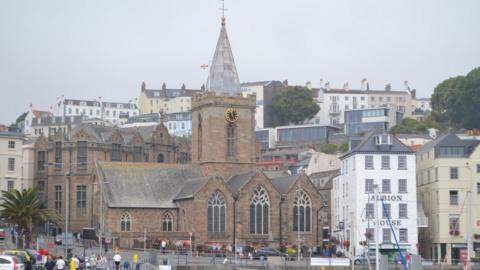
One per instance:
(223, 9)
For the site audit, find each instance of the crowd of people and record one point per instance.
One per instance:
(73, 262)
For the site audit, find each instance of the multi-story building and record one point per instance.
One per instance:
(112, 112)
(33, 114)
(178, 124)
(48, 126)
(265, 92)
(364, 120)
(65, 163)
(420, 107)
(375, 189)
(448, 185)
(166, 100)
(11, 159)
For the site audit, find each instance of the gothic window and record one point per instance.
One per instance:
(200, 141)
(116, 152)
(167, 223)
(216, 212)
(259, 211)
(302, 212)
(125, 222)
(231, 140)
(137, 154)
(58, 155)
(160, 158)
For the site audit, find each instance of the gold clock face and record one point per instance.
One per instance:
(231, 115)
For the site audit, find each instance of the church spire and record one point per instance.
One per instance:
(223, 77)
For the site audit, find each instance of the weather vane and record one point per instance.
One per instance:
(223, 9)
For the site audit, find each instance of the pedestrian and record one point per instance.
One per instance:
(50, 263)
(117, 258)
(60, 264)
(164, 245)
(93, 261)
(76, 261)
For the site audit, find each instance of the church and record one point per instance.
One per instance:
(218, 198)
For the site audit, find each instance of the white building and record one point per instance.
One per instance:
(11, 159)
(112, 112)
(377, 167)
(33, 114)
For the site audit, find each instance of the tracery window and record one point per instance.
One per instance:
(302, 211)
(259, 211)
(167, 222)
(231, 140)
(216, 212)
(125, 222)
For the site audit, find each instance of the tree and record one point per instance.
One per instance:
(23, 208)
(293, 105)
(459, 99)
(410, 125)
(15, 126)
(328, 148)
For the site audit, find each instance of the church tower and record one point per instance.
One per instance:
(223, 120)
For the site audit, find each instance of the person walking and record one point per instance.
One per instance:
(117, 258)
(60, 264)
(76, 261)
(50, 263)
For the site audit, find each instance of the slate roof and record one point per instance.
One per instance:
(449, 139)
(236, 182)
(246, 84)
(103, 133)
(56, 120)
(368, 145)
(191, 187)
(170, 93)
(146, 185)
(223, 76)
(9, 134)
(283, 184)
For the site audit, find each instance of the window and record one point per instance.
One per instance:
(116, 152)
(385, 162)
(167, 223)
(41, 160)
(10, 185)
(386, 186)
(386, 213)
(114, 113)
(125, 222)
(478, 188)
(368, 185)
(369, 162)
(478, 168)
(402, 185)
(302, 212)
(82, 155)
(216, 212)
(160, 158)
(11, 144)
(107, 113)
(402, 210)
(231, 140)
(57, 198)
(370, 234)
(454, 224)
(69, 110)
(453, 173)
(387, 236)
(453, 197)
(402, 162)
(403, 235)
(259, 211)
(91, 112)
(137, 154)
(370, 210)
(11, 164)
(76, 111)
(58, 155)
(81, 200)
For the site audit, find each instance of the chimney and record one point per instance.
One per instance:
(388, 87)
(203, 87)
(285, 83)
(413, 93)
(368, 86)
(143, 86)
(345, 86)
(405, 84)
(363, 84)
(164, 86)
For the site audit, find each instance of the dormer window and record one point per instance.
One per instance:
(384, 139)
(83, 103)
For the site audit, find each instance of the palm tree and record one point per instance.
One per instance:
(23, 208)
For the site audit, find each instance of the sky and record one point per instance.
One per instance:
(90, 48)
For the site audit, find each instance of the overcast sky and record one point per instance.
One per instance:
(89, 48)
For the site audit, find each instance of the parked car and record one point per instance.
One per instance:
(363, 259)
(265, 252)
(8, 262)
(2, 234)
(22, 256)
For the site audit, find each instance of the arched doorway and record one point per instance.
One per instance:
(160, 158)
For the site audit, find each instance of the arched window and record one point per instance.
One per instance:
(167, 223)
(231, 140)
(216, 212)
(200, 139)
(302, 211)
(125, 222)
(160, 158)
(259, 211)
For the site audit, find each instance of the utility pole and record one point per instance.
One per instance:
(377, 229)
(469, 228)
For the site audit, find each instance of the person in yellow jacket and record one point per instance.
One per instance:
(72, 265)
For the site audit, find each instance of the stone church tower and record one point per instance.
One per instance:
(223, 120)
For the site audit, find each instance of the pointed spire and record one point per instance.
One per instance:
(143, 86)
(184, 87)
(223, 77)
(164, 86)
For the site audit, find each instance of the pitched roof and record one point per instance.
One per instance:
(191, 187)
(56, 120)
(146, 185)
(283, 184)
(103, 133)
(236, 182)
(170, 93)
(448, 139)
(223, 77)
(368, 145)
(38, 114)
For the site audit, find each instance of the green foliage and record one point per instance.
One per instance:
(328, 148)
(294, 105)
(412, 126)
(15, 126)
(459, 100)
(24, 208)
(344, 147)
